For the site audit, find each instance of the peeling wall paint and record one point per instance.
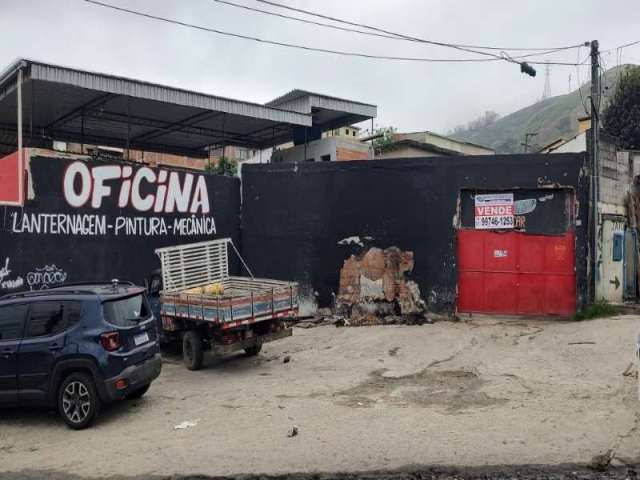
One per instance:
(355, 240)
(525, 206)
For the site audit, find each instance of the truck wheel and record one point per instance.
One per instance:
(192, 350)
(78, 401)
(253, 351)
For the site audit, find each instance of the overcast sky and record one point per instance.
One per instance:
(410, 96)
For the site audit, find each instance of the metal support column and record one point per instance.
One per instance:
(128, 126)
(20, 159)
(373, 148)
(33, 87)
(305, 144)
(224, 138)
(82, 131)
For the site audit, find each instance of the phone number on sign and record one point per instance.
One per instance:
(506, 221)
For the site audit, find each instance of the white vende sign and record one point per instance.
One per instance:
(494, 210)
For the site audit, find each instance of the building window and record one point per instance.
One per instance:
(325, 158)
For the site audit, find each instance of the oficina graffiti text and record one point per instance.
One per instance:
(183, 196)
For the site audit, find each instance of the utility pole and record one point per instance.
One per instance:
(546, 93)
(595, 160)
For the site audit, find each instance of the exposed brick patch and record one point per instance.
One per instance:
(374, 284)
(344, 154)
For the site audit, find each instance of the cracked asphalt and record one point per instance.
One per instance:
(469, 394)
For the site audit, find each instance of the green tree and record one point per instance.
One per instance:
(621, 117)
(489, 117)
(386, 137)
(225, 166)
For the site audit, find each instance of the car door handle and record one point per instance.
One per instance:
(7, 353)
(55, 347)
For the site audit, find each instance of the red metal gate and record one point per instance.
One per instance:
(12, 179)
(516, 273)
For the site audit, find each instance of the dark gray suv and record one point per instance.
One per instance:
(77, 347)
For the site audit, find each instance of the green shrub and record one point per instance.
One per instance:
(224, 166)
(600, 308)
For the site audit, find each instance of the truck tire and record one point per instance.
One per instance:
(192, 350)
(253, 351)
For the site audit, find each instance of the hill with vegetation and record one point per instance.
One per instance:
(553, 118)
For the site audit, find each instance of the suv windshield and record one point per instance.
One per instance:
(126, 312)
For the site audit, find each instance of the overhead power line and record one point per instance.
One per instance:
(630, 44)
(396, 37)
(620, 47)
(410, 37)
(308, 48)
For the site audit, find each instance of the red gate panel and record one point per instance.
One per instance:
(11, 179)
(516, 273)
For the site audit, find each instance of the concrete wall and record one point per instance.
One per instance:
(446, 142)
(301, 222)
(610, 271)
(332, 148)
(406, 151)
(615, 175)
(154, 159)
(575, 145)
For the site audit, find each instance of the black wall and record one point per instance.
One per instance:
(31, 260)
(294, 215)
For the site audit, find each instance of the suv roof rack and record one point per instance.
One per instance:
(68, 289)
(102, 283)
(39, 293)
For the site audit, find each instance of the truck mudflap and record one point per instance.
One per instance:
(218, 349)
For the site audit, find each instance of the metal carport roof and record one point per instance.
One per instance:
(328, 112)
(78, 106)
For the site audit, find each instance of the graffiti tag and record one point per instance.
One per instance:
(45, 277)
(7, 283)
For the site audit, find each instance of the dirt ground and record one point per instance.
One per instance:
(469, 394)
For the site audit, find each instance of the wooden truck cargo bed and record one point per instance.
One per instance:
(244, 300)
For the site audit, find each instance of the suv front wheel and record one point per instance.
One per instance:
(78, 401)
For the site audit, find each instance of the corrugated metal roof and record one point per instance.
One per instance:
(73, 105)
(150, 91)
(304, 101)
(296, 93)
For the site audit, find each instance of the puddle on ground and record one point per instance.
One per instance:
(454, 390)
